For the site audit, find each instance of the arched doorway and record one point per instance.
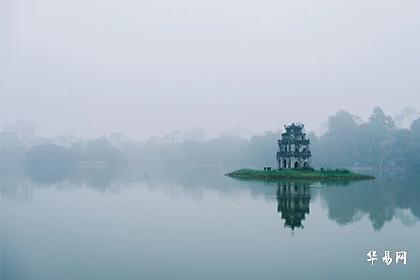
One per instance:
(296, 165)
(305, 164)
(284, 163)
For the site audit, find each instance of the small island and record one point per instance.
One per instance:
(298, 174)
(294, 160)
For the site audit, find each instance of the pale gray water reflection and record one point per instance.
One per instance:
(191, 222)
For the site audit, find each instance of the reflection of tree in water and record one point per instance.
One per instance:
(293, 202)
(378, 199)
(95, 165)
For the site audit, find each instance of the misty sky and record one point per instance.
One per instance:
(148, 67)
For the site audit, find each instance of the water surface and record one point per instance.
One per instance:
(195, 223)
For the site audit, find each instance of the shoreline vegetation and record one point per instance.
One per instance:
(299, 174)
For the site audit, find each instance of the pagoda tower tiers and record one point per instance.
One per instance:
(294, 151)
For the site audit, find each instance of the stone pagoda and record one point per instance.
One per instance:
(294, 151)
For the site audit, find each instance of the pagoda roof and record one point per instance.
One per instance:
(294, 127)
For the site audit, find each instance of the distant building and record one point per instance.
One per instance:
(9, 140)
(24, 131)
(294, 151)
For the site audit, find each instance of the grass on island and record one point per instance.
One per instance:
(304, 174)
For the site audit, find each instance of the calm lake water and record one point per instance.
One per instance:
(195, 223)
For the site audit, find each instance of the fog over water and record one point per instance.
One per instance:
(145, 68)
(120, 119)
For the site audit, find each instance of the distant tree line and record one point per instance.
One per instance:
(349, 142)
(375, 143)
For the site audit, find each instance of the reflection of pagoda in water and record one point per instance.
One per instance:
(293, 202)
